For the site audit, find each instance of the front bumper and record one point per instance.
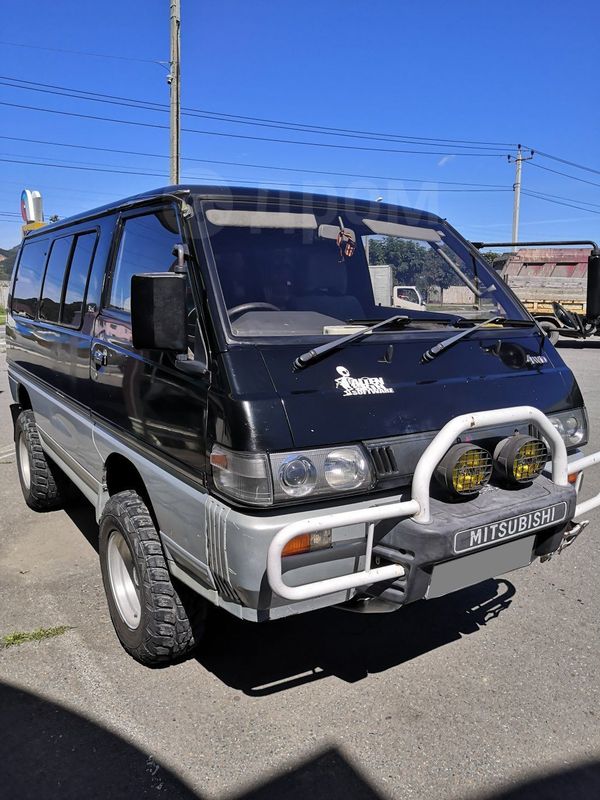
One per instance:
(406, 539)
(457, 531)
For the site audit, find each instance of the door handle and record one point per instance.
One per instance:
(99, 357)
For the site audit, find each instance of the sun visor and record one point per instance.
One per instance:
(384, 228)
(227, 218)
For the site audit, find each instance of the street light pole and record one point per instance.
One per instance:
(174, 83)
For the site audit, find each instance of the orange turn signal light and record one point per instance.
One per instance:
(299, 544)
(573, 477)
(219, 460)
(307, 542)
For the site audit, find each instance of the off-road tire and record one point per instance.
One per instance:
(45, 489)
(172, 617)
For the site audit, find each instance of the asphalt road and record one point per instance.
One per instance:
(491, 693)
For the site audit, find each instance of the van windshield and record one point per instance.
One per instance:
(317, 271)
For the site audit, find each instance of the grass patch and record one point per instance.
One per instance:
(2, 316)
(20, 637)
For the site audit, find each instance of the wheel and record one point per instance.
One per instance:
(156, 622)
(41, 481)
(568, 318)
(550, 330)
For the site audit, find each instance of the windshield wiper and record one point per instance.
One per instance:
(409, 320)
(319, 352)
(439, 348)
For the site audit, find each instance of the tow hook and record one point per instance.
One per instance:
(572, 532)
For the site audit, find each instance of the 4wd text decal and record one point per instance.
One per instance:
(533, 360)
(356, 386)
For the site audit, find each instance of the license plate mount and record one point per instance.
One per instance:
(473, 568)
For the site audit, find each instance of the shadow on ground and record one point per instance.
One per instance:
(578, 344)
(81, 513)
(298, 650)
(48, 752)
(265, 658)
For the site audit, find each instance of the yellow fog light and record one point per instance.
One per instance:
(465, 469)
(520, 458)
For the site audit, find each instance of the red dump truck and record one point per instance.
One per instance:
(551, 280)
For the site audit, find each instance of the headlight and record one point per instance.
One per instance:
(297, 476)
(572, 426)
(346, 469)
(260, 480)
(465, 469)
(520, 458)
(315, 473)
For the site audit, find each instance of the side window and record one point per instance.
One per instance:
(146, 245)
(77, 279)
(28, 280)
(54, 279)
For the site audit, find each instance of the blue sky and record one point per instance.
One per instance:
(506, 72)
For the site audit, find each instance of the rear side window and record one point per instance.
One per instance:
(81, 260)
(54, 279)
(65, 282)
(146, 246)
(28, 280)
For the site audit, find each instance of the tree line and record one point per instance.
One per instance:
(415, 264)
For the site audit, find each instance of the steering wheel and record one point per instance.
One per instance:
(241, 309)
(567, 318)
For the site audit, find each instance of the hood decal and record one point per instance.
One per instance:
(360, 386)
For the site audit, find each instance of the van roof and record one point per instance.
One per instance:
(234, 192)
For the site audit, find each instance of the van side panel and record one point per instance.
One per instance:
(141, 394)
(52, 362)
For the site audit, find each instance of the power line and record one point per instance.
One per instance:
(91, 164)
(84, 168)
(264, 122)
(560, 197)
(559, 202)
(71, 190)
(565, 174)
(256, 166)
(147, 106)
(221, 180)
(82, 53)
(569, 163)
(155, 125)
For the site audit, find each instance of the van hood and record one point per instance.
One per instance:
(378, 387)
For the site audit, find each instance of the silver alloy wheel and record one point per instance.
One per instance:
(124, 581)
(24, 463)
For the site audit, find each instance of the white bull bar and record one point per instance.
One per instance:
(418, 507)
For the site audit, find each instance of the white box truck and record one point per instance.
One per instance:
(386, 294)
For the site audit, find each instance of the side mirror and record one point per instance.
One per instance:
(158, 312)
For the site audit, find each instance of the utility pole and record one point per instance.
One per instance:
(174, 83)
(517, 190)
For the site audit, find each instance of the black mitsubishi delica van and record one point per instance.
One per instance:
(209, 366)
